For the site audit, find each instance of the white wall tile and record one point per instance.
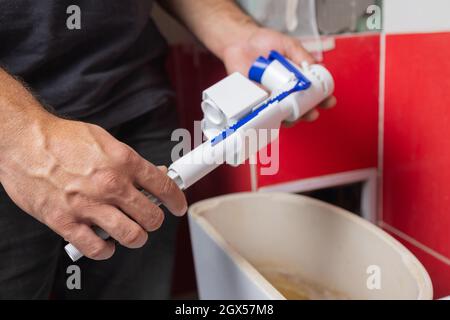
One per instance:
(410, 16)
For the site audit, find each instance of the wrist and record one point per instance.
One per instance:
(22, 132)
(239, 31)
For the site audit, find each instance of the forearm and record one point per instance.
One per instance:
(72, 175)
(20, 113)
(216, 23)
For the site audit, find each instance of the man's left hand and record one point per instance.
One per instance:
(240, 55)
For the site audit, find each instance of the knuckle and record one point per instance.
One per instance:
(114, 223)
(130, 197)
(154, 219)
(59, 221)
(95, 127)
(131, 237)
(77, 200)
(125, 155)
(110, 181)
(95, 250)
(167, 187)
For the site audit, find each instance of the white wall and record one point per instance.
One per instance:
(410, 16)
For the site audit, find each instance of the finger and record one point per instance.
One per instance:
(137, 206)
(328, 103)
(92, 246)
(289, 124)
(127, 232)
(311, 115)
(161, 186)
(296, 52)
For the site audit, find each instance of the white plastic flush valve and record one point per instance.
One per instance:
(313, 81)
(235, 106)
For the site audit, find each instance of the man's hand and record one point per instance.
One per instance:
(235, 38)
(72, 175)
(240, 55)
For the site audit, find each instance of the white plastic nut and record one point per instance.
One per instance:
(229, 99)
(212, 113)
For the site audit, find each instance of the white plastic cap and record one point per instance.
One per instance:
(318, 73)
(73, 252)
(76, 254)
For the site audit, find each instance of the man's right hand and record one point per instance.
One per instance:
(72, 175)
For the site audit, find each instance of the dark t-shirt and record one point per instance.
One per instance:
(107, 72)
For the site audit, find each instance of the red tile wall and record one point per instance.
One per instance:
(416, 177)
(343, 138)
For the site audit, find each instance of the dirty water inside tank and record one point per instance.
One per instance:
(297, 287)
(294, 247)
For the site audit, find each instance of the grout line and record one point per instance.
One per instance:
(417, 32)
(320, 182)
(253, 173)
(353, 34)
(381, 110)
(414, 242)
(368, 194)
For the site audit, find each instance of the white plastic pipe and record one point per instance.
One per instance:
(208, 156)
